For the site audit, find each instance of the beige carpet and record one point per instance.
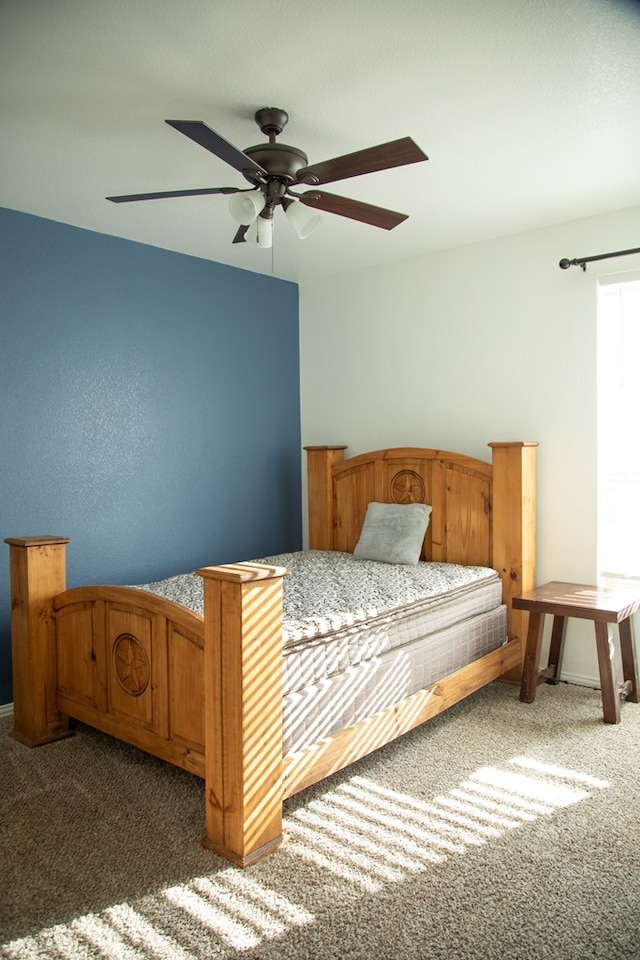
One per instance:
(498, 830)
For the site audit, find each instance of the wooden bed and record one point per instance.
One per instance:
(205, 693)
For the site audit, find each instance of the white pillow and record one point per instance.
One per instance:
(393, 532)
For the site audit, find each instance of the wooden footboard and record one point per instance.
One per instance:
(116, 658)
(202, 693)
(205, 693)
(131, 665)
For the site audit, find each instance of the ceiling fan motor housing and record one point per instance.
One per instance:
(278, 159)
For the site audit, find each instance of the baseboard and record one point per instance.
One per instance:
(580, 681)
(6, 709)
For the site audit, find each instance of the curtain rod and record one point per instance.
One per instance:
(582, 261)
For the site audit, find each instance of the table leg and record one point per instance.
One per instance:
(555, 649)
(610, 698)
(531, 654)
(629, 663)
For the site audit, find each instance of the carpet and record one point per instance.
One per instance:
(497, 830)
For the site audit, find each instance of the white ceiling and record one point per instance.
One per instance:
(529, 111)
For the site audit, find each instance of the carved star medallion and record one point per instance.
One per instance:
(407, 487)
(131, 664)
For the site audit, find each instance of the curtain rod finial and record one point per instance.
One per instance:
(564, 264)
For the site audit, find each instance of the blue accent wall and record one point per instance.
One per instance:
(149, 408)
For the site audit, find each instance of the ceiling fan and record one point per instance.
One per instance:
(273, 169)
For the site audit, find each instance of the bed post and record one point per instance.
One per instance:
(38, 574)
(243, 710)
(514, 526)
(320, 461)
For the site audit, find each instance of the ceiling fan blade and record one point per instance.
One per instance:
(241, 233)
(397, 153)
(354, 209)
(200, 133)
(172, 193)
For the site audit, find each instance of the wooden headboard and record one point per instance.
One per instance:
(482, 513)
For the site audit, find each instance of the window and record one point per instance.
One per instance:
(619, 429)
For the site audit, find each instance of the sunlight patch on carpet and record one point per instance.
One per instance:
(360, 833)
(231, 908)
(373, 835)
(137, 930)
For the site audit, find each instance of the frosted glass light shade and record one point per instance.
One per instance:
(303, 220)
(245, 207)
(265, 233)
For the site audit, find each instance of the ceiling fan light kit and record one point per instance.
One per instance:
(265, 232)
(303, 221)
(275, 168)
(244, 207)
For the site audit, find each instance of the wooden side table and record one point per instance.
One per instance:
(602, 605)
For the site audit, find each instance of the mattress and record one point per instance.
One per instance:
(359, 635)
(320, 709)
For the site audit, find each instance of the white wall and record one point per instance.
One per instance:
(458, 348)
